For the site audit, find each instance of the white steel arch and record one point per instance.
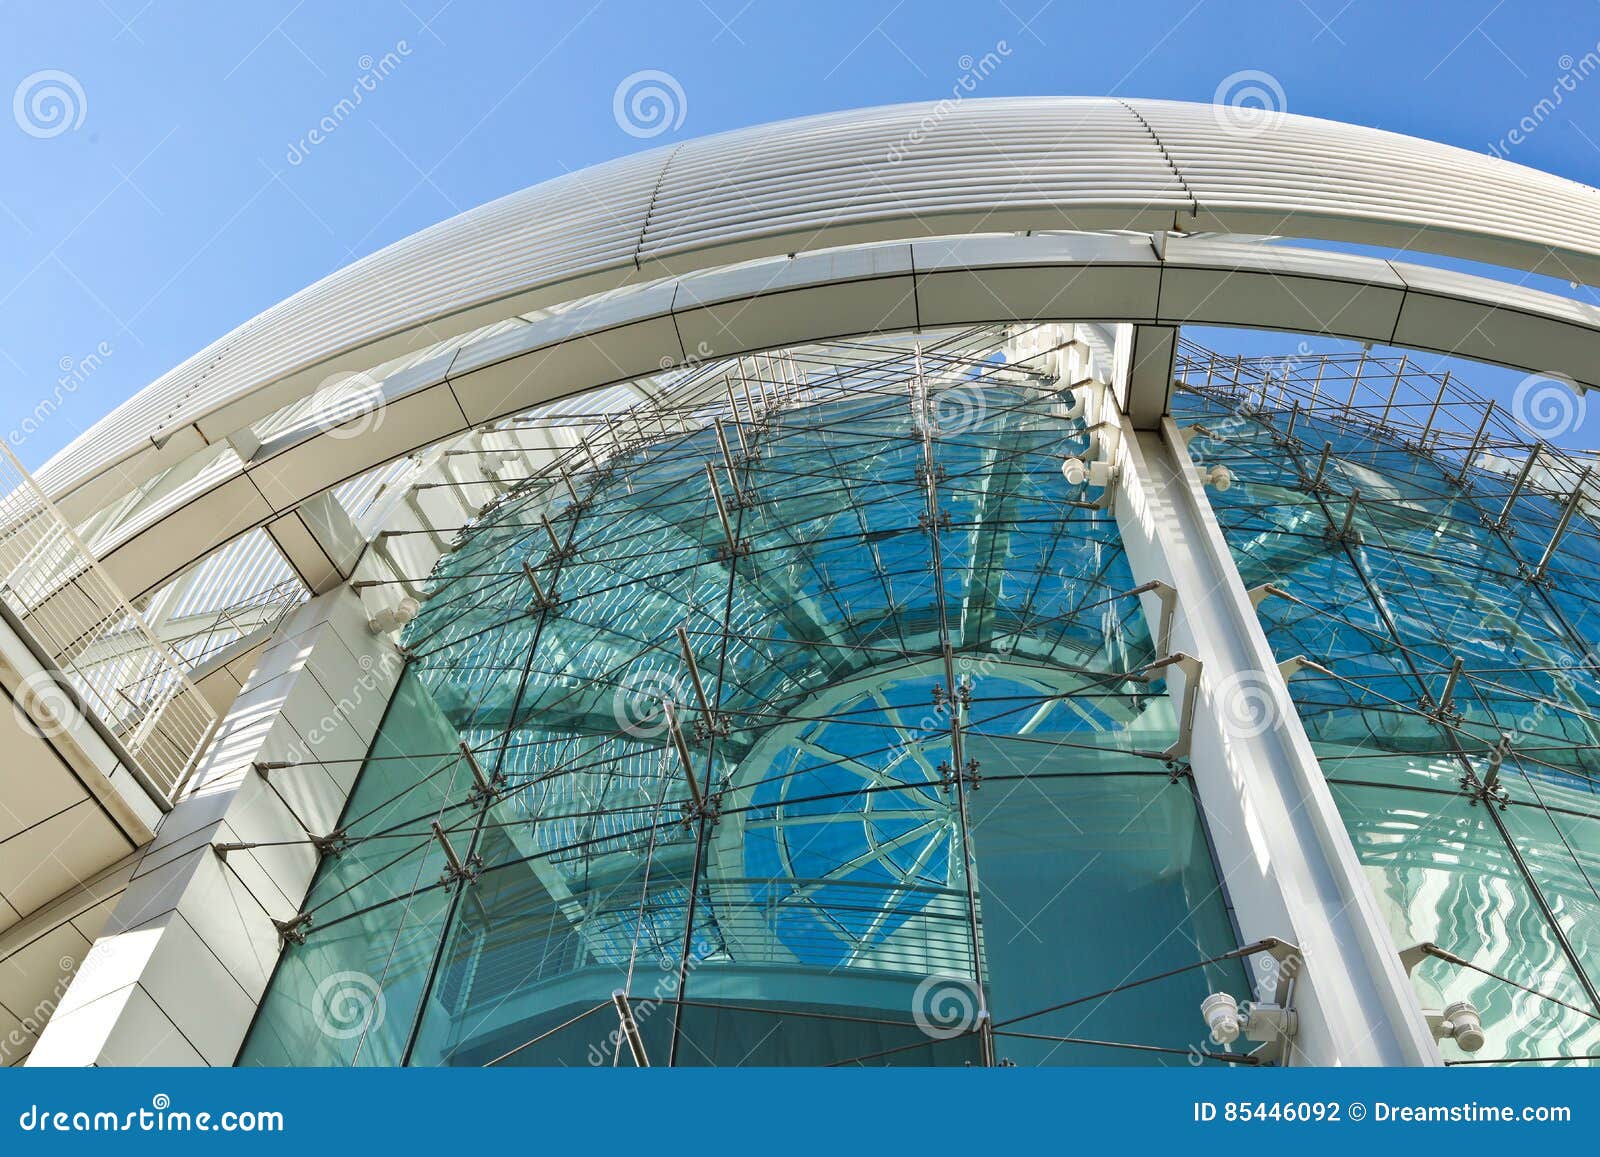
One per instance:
(638, 332)
(895, 173)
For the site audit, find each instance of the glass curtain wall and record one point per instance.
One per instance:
(806, 714)
(1458, 725)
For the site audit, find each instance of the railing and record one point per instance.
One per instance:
(1389, 397)
(69, 605)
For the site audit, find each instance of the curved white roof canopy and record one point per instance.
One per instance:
(881, 288)
(669, 222)
(902, 172)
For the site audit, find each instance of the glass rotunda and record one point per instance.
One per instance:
(812, 713)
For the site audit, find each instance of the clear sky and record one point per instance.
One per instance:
(179, 197)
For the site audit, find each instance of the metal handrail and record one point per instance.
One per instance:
(66, 601)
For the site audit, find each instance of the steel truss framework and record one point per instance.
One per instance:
(813, 680)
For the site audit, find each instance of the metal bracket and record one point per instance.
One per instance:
(734, 546)
(1444, 710)
(1486, 791)
(699, 805)
(1289, 668)
(559, 551)
(630, 1028)
(459, 870)
(1168, 596)
(969, 777)
(263, 766)
(1275, 1024)
(544, 601)
(1191, 668)
(294, 929)
(1347, 532)
(711, 722)
(332, 844)
(1318, 482)
(1260, 594)
(484, 787)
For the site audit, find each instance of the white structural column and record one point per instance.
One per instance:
(1285, 858)
(184, 958)
(319, 541)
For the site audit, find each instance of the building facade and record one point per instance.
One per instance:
(802, 598)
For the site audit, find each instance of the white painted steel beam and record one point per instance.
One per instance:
(820, 183)
(877, 288)
(1285, 859)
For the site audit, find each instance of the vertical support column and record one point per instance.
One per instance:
(1142, 377)
(320, 542)
(176, 974)
(1285, 858)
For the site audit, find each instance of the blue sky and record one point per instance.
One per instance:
(170, 210)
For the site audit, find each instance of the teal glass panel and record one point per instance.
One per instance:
(769, 850)
(1470, 799)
